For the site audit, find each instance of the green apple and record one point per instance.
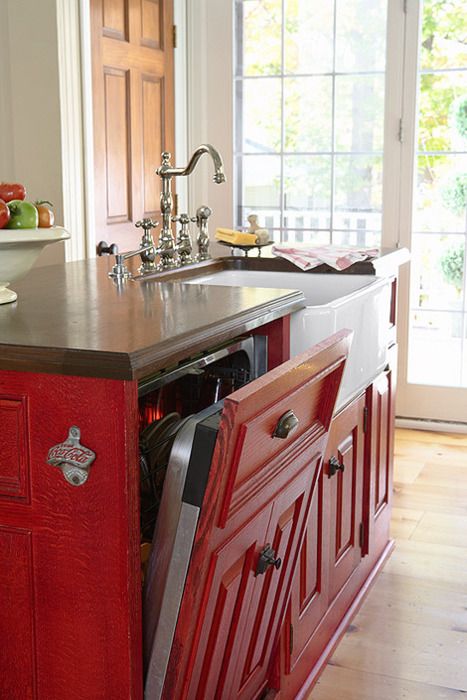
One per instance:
(22, 214)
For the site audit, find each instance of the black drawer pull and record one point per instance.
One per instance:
(267, 558)
(335, 466)
(286, 425)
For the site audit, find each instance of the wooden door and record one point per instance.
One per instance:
(132, 92)
(258, 494)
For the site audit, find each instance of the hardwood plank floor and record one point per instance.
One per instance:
(409, 640)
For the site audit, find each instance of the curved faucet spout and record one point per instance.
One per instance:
(167, 171)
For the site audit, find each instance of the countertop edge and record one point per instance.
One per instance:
(152, 359)
(135, 365)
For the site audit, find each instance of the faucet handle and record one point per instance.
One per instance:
(182, 218)
(203, 213)
(146, 224)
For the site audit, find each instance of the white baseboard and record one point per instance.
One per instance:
(432, 425)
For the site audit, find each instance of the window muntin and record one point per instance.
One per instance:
(309, 105)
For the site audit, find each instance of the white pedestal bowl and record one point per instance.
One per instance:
(19, 250)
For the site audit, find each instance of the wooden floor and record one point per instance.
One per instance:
(409, 640)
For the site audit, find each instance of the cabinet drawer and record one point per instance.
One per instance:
(304, 386)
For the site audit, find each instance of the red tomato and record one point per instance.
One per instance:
(9, 191)
(46, 214)
(4, 214)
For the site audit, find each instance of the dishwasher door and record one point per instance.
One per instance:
(230, 528)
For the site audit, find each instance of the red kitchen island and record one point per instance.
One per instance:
(292, 505)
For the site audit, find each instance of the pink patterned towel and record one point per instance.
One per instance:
(307, 257)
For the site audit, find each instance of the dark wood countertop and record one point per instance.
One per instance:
(72, 319)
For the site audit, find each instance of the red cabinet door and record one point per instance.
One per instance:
(70, 617)
(344, 465)
(330, 551)
(259, 493)
(381, 402)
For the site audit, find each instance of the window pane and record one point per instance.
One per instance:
(262, 29)
(261, 181)
(309, 36)
(437, 272)
(444, 31)
(261, 105)
(307, 185)
(434, 356)
(441, 193)
(359, 120)
(267, 218)
(361, 238)
(442, 107)
(307, 237)
(358, 192)
(360, 35)
(308, 114)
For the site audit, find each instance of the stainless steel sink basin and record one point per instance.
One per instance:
(333, 302)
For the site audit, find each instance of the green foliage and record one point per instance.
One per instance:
(444, 32)
(452, 266)
(460, 115)
(444, 45)
(455, 194)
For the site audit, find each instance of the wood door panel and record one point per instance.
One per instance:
(151, 24)
(79, 546)
(115, 19)
(133, 118)
(282, 498)
(309, 597)
(225, 619)
(381, 402)
(153, 113)
(118, 163)
(14, 451)
(18, 651)
(381, 408)
(346, 444)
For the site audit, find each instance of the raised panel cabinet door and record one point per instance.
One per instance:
(265, 468)
(331, 548)
(310, 585)
(70, 611)
(344, 470)
(381, 402)
(133, 110)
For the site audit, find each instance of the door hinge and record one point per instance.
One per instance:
(365, 419)
(404, 6)
(174, 36)
(291, 639)
(361, 535)
(401, 133)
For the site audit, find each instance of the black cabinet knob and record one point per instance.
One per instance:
(267, 558)
(335, 466)
(104, 248)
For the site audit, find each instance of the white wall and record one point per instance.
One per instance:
(30, 136)
(210, 106)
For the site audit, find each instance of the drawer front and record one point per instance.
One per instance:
(248, 444)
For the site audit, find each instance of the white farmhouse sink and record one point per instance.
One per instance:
(333, 302)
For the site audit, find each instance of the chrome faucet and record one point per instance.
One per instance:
(166, 171)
